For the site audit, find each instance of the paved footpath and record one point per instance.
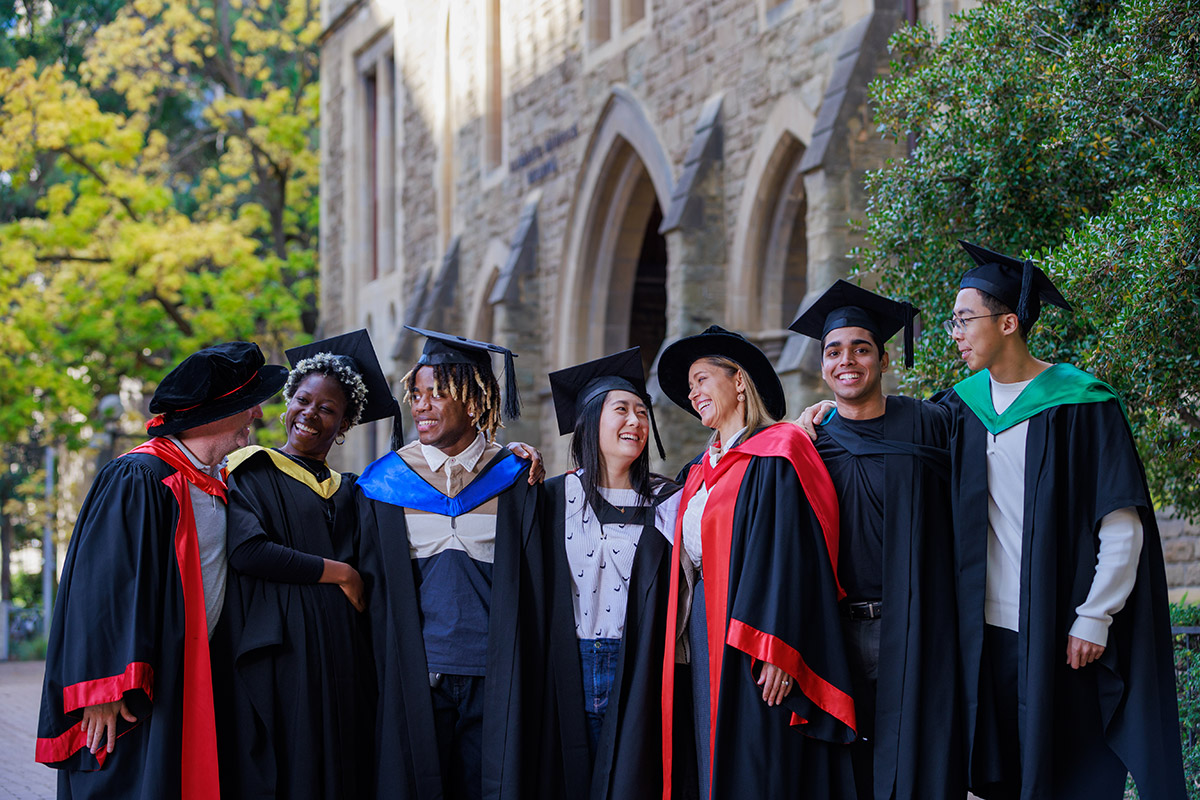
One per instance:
(22, 778)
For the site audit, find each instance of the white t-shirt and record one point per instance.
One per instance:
(1120, 537)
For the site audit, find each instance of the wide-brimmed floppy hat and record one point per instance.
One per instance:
(212, 384)
(677, 359)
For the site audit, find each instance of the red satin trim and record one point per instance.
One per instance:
(65, 745)
(161, 418)
(690, 486)
(716, 529)
(166, 450)
(783, 440)
(787, 441)
(771, 649)
(138, 675)
(199, 774)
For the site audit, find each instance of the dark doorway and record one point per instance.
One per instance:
(648, 315)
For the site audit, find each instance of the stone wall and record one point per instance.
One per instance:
(1181, 551)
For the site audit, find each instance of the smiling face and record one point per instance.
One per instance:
(624, 429)
(852, 364)
(713, 393)
(442, 421)
(315, 416)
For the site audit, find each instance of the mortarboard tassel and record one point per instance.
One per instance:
(512, 399)
(397, 430)
(910, 311)
(662, 454)
(1026, 288)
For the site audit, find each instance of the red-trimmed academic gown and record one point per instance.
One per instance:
(769, 534)
(130, 621)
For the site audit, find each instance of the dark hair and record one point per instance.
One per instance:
(586, 455)
(997, 306)
(338, 368)
(469, 385)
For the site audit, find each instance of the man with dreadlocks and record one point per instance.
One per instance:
(453, 568)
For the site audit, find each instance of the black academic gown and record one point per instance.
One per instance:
(130, 622)
(918, 748)
(627, 765)
(1080, 464)
(775, 560)
(296, 715)
(408, 763)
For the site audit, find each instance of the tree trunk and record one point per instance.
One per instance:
(6, 542)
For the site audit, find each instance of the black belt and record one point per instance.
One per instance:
(863, 611)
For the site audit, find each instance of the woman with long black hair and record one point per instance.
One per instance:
(609, 522)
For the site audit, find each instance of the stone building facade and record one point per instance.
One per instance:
(573, 177)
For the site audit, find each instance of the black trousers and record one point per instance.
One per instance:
(1083, 767)
(862, 651)
(458, 718)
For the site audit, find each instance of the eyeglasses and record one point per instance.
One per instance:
(960, 323)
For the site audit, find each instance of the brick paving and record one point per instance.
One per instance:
(20, 693)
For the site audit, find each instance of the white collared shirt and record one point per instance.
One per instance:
(466, 460)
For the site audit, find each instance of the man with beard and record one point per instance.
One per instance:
(142, 590)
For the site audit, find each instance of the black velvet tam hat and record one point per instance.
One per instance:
(574, 387)
(676, 361)
(212, 384)
(1018, 284)
(845, 305)
(445, 348)
(358, 351)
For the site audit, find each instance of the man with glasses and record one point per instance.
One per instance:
(1063, 626)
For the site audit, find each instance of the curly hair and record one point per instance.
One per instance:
(469, 385)
(340, 369)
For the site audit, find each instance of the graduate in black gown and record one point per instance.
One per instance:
(296, 710)
(1064, 630)
(452, 559)
(609, 524)
(754, 589)
(127, 704)
(888, 458)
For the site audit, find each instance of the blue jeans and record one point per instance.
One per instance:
(598, 663)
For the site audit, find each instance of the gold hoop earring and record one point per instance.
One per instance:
(340, 439)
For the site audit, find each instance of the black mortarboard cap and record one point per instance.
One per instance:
(1018, 284)
(213, 383)
(357, 349)
(445, 348)
(677, 358)
(845, 305)
(574, 387)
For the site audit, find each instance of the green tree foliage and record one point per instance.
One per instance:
(1066, 131)
(173, 173)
